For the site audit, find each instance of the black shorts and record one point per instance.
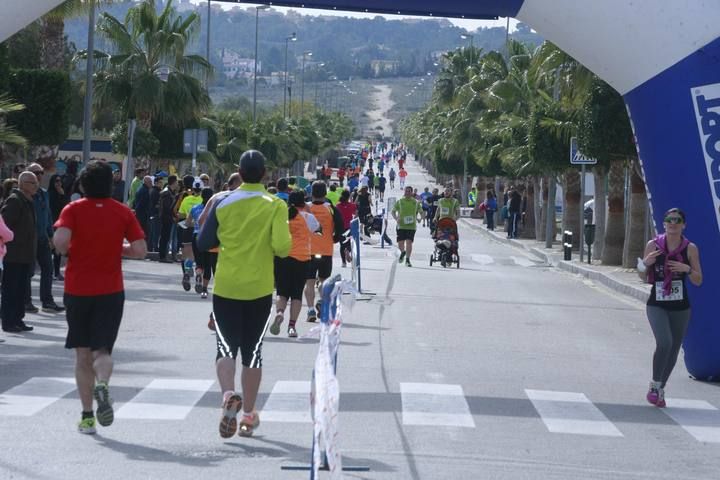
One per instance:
(405, 234)
(185, 235)
(319, 267)
(241, 325)
(290, 278)
(94, 321)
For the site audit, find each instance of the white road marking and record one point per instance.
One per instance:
(435, 404)
(482, 259)
(522, 261)
(288, 402)
(697, 417)
(165, 399)
(570, 412)
(33, 395)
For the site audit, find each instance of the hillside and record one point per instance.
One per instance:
(349, 47)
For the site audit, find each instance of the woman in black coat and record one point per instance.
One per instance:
(58, 200)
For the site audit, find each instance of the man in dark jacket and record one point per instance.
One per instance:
(514, 204)
(155, 215)
(166, 204)
(118, 191)
(18, 212)
(141, 205)
(44, 229)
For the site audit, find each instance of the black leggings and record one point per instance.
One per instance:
(668, 327)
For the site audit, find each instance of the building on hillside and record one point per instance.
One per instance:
(384, 67)
(236, 66)
(277, 79)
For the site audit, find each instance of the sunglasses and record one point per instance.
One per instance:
(674, 220)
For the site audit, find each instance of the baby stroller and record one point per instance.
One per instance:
(374, 224)
(446, 243)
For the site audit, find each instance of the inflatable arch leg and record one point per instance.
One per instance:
(664, 59)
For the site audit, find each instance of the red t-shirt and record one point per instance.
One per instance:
(99, 226)
(347, 210)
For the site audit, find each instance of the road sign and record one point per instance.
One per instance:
(576, 157)
(193, 136)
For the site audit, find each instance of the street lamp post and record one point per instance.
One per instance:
(302, 88)
(288, 39)
(465, 36)
(255, 74)
(321, 65)
(87, 105)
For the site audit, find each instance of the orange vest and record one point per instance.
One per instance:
(301, 235)
(323, 244)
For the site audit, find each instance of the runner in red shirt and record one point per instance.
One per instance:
(91, 232)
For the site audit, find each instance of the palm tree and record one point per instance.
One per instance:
(8, 135)
(52, 30)
(147, 75)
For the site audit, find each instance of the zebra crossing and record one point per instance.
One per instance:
(422, 405)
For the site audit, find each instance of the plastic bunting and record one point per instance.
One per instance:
(325, 389)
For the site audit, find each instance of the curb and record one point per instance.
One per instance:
(634, 291)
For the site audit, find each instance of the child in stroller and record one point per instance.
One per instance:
(446, 243)
(374, 224)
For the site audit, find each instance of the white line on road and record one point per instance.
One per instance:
(570, 412)
(288, 402)
(435, 404)
(697, 417)
(482, 259)
(33, 395)
(165, 399)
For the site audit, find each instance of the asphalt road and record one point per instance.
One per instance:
(502, 369)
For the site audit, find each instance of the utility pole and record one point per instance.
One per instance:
(288, 39)
(257, 22)
(87, 107)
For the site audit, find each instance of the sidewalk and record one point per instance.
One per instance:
(619, 279)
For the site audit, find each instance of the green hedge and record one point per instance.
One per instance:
(46, 96)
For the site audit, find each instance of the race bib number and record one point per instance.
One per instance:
(676, 292)
(408, 220)
(444, 210)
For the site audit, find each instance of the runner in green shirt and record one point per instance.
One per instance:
(405, 212)
(448, 207)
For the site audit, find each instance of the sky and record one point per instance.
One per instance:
(469, 25)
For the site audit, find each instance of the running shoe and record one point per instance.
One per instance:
(198, 283)
(230, 408)
(661, 398)
(407, 263)
(292, 333)
(186, 282)
(53, 308)
(652, 394)
(402, 257)
(204, 293)
(275, 327)
(30, 308)
(87, 426)
(248, 424)
(311, 315)
(104, 412)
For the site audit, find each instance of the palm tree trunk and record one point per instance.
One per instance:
(539, 191)
(636, 227)
(52, 50)
(615, 227)
(550, 224)
(571, 209)
(600, 211)
(528, 230)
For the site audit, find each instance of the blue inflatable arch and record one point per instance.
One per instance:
(663, 56)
